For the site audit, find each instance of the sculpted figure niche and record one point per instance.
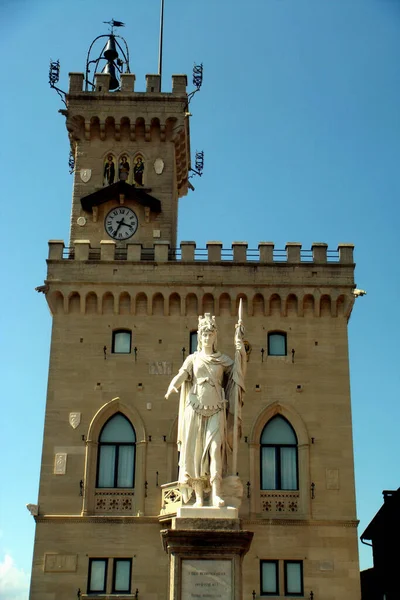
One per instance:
(212, 388)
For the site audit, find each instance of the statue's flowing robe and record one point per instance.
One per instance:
(209, 397)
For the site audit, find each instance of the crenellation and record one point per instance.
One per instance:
(76, 82)
(153, 83)
(239, 251)
(293, 250)
(127, 83)
(266, 250)
(214, 251)
(346, 253)
(319, 250)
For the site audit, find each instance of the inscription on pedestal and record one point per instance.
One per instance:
(209, 578)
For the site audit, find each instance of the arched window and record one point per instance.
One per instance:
(279, 464)
(277, 343)
(121, 341)
(116, 458)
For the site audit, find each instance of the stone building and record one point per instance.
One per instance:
(125, 303)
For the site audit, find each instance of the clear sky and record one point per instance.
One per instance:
(299, 119)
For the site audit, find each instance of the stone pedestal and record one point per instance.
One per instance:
(206, 548)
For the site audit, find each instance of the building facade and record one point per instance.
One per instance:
(125, 304)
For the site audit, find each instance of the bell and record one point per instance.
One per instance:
(110, 69)
(110, 52)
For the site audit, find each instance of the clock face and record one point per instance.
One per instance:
(121, 223)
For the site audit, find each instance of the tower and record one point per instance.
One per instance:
(125, 304)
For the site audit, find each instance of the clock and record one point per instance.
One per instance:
(121, 223)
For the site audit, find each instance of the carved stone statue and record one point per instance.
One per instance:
(212, 387)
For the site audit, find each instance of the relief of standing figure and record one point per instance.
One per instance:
(138, 171)
(212, 388)
(109, 171)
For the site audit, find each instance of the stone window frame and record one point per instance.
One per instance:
(91, 456)
(303, 448)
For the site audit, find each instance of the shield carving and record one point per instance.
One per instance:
(85, 174)
(159, 166)
(74, 419)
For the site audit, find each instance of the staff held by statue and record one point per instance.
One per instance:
(239, 333)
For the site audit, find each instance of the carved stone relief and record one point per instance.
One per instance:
(60, 463)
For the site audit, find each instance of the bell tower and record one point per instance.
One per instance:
(131, 152)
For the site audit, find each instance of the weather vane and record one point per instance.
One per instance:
(113, 24)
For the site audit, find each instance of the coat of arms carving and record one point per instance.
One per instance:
(74, 419)
(85, 174)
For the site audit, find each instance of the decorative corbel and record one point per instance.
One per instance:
(95, 213)
(147, 214)
(121, 198)
(147, 133)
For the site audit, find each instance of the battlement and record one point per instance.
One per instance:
(102, 80)
(266, 253)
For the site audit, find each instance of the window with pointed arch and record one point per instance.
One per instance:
(116, 454)
(279, 458)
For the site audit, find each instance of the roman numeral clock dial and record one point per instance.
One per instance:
(121, 223)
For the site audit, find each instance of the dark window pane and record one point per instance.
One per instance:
(268, 468)
(193, 342)
(277, 344)
(126, 460)
(293, 578)
(269, 578)
(97, 575)
(119, 430)
(288, 468)
(122, 342)
(122, 575)
(106, 471)
(278, 431)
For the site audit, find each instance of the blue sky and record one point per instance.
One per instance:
(299, 119)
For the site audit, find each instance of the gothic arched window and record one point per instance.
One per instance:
(116, 457)
(278, 460)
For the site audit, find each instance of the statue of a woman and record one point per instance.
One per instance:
(212, 385)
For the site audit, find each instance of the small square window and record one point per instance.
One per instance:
(294, 578)
(122, 575)
(121, 342)
(269, 578)
(97, 575)
(277, 344)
